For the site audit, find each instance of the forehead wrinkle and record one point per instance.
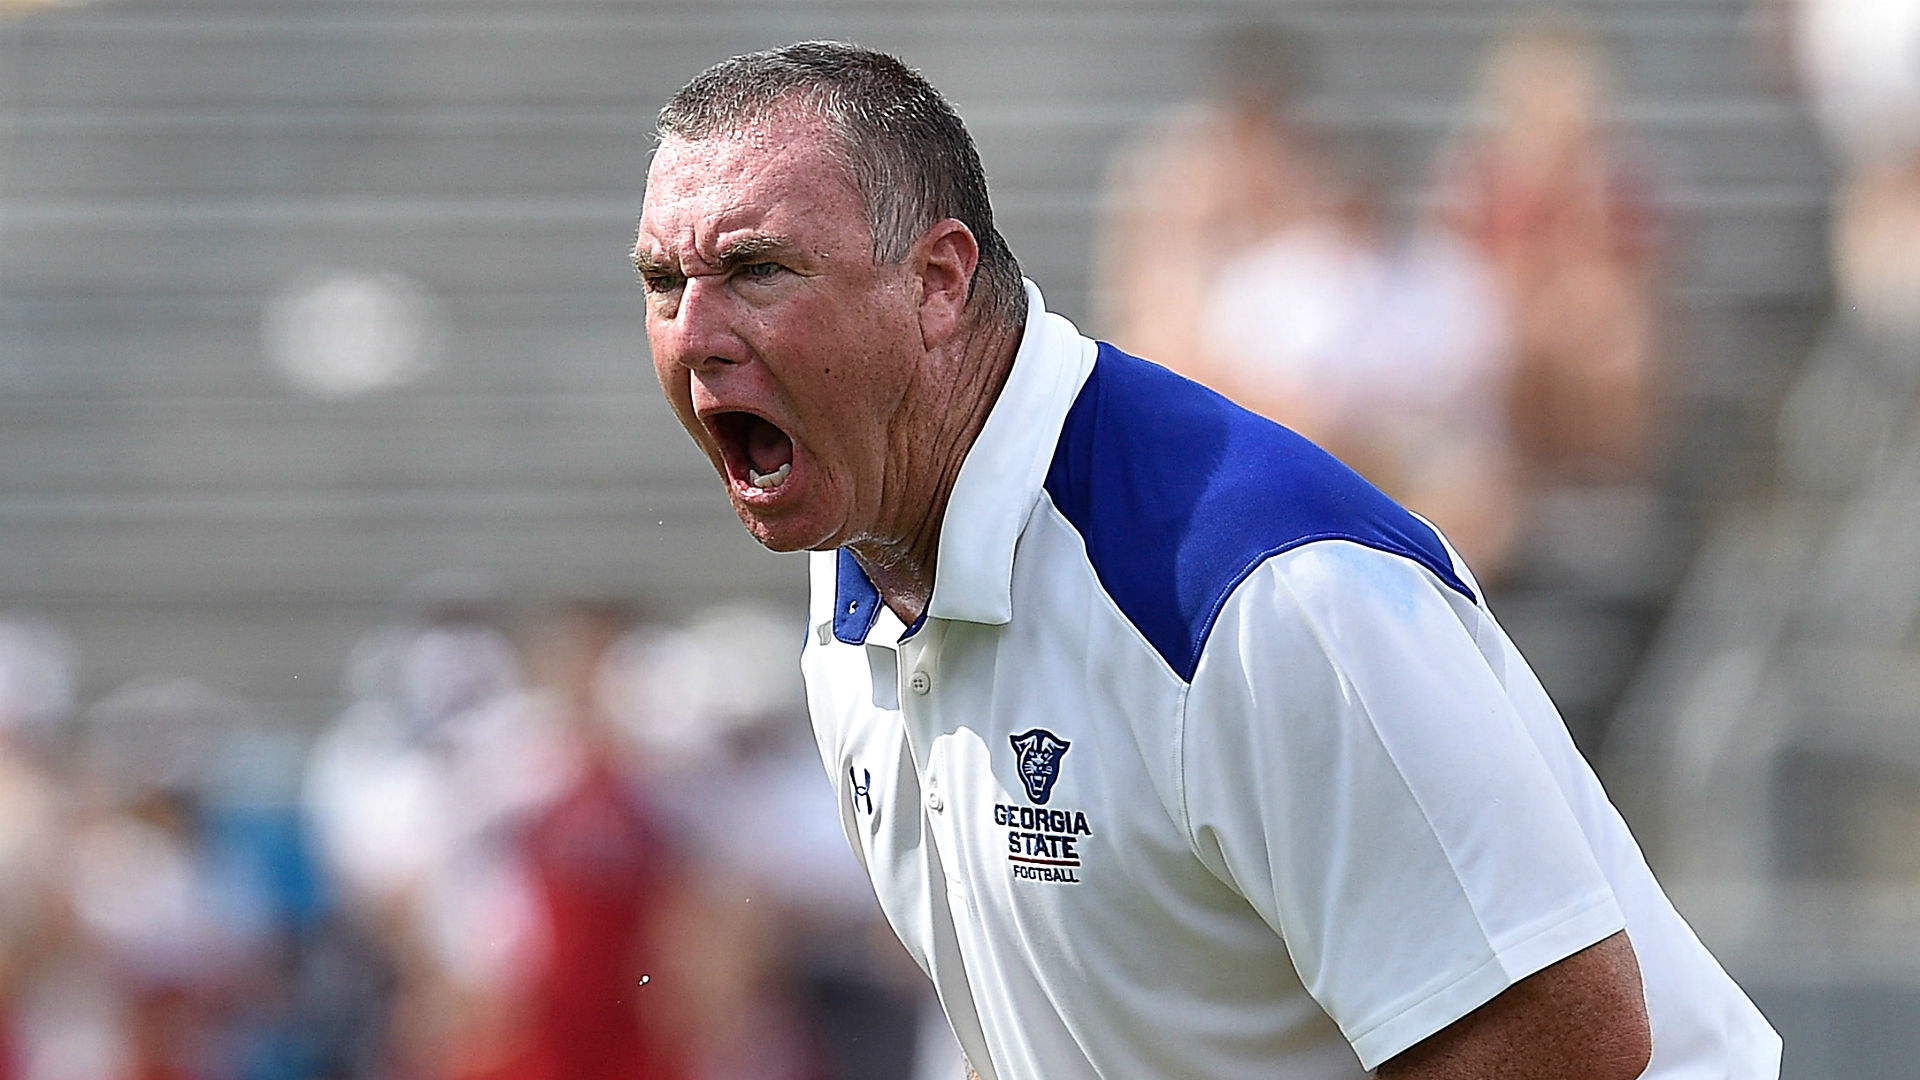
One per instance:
(714, 202)
(696, 236)
(680, 217)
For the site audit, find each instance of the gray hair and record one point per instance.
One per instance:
(904, 147)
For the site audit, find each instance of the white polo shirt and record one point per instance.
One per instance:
(1209, 762)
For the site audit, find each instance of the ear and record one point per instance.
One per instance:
(944, 258)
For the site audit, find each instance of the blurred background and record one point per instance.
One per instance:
(387, 691)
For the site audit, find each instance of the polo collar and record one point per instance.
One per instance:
(998, 486)
(1001, 479)
(856, 603)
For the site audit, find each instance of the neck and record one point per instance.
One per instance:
(940, 426)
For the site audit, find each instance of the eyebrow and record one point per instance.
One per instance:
(740, 251)
(748, 248)
(645, 264)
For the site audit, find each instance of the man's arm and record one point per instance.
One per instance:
(1583, 1018)
(971, 1075)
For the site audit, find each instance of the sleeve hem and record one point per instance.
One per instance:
(1593, 922)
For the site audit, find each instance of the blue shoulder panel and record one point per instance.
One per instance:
(1179, 494)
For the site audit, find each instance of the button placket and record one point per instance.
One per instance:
(917, 655)
(921, 657)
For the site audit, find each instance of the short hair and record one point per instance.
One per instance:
(905, 149)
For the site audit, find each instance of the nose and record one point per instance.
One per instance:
(699, 330)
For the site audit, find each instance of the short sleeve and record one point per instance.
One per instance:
(1354, 768)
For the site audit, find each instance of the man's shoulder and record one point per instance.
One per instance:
(1179, 494)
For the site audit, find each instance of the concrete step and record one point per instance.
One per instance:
(577, 54)
(145, 351)
(414, 439)
(567, 154)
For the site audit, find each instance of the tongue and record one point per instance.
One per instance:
(767, 446)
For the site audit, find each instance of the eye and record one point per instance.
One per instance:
(660, 283)
(759, 271)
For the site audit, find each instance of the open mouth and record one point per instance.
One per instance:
(758, 455)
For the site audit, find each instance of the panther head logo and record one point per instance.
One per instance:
(1039, 753)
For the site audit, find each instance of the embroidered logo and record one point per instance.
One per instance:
(1043, 844)
(1038, 753)
(862, 787)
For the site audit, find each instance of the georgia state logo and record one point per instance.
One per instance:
(1044, 844)
(1039, 754)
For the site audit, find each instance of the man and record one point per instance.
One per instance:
(1173, 749)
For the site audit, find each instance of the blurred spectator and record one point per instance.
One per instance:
(1391, 353)
(1847, 790)
(416, 793)
(1845, 414)
(614, 861)
(160, 882)
(798, 976)
(36, 672)
(1857, 58)
(1201, 185)
(600, 1004)
(604, 856)
(1876, 249)
(427, 756)
(312, 999)
(1773, 728)
(168, 938)
(1541, 191)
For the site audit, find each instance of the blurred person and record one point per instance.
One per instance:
(418, 794)
(1202, 184)
(1390, 352)
(1855, 58)
(1876, 253)
(36, 702)
(429, 753)
(1155, 728)
(1850, 447)
(1845, 415)
(309, 1004)
(724, 984)
(605, 871)
(1541, 191)
(791, 928)
(168, 941)
(779, 830)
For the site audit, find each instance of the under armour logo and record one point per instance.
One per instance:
(862, 787)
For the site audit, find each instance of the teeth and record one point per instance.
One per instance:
(768, 480)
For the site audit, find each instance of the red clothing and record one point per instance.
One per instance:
(601, 866)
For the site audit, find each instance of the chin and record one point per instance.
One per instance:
(781, 534)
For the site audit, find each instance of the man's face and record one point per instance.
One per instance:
(783, 348)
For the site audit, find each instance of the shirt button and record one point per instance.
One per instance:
(935, 803)
(920, 682)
